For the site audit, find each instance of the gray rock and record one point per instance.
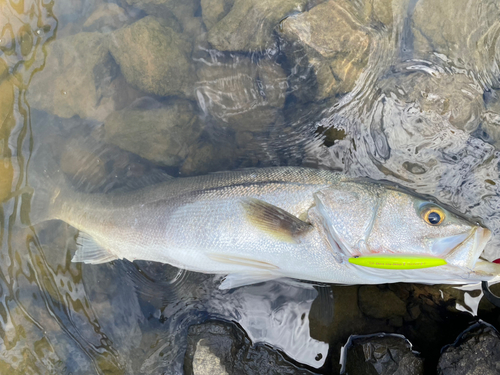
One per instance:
(476, 352)
(380, 303)
(154, 58)
(337, 54)
(242, 95)
(250, 23)
(107, 17)
(382, 354)
(223, 346)
(163, 134)
(78, 78)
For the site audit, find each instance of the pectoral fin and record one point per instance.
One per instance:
(275, 221)
(88, 251)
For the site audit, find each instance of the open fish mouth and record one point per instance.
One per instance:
(467, 247)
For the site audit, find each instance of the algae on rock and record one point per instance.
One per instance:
(154, 58)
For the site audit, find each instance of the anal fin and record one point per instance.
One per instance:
(90, 252)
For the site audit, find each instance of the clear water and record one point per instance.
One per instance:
(411, 96)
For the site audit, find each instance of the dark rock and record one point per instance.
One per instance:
(222, 348)
(205, 157)
(163, 134)
(380, 354)
(380, 303)
(476, 352)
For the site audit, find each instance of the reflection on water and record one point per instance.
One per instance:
(405, 91)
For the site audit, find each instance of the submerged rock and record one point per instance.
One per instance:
(476, 352)
(242, 95)
(222, 348)
(167, 9)
(154, 58)
(107, 17)
(78, 78)
(215, 10)
(205, 157)
(380, 303)
(162, 134)
(381, 354)
(337, 54)
(250, 23)
(464, 31)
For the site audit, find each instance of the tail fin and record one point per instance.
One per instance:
(49, 187)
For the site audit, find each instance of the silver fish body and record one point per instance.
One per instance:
(260, 224)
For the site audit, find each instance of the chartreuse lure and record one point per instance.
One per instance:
(397, 262)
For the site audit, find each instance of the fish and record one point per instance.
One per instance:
(255, 225)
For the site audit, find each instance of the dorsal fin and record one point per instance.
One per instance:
(275, 221)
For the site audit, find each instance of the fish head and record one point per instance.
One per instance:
(369, 219)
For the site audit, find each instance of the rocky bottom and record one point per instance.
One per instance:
(219, 347)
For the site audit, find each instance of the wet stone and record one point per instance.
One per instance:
(78, 78)
(167, 9)
(223, 348)
(381, 354)
(476, 352)
(380, 303)
(154, 58)
(337, 54)
(250, 24)
(161, 133)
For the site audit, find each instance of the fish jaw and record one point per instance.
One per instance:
(467, 252)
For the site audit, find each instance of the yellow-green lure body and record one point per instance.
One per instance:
(397, 262)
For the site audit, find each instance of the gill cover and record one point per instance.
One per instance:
(368, 219)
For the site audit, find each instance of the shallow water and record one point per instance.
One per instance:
(405, 91)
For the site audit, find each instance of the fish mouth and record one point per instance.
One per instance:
(468, 247)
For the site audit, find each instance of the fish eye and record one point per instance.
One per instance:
(433, 216)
